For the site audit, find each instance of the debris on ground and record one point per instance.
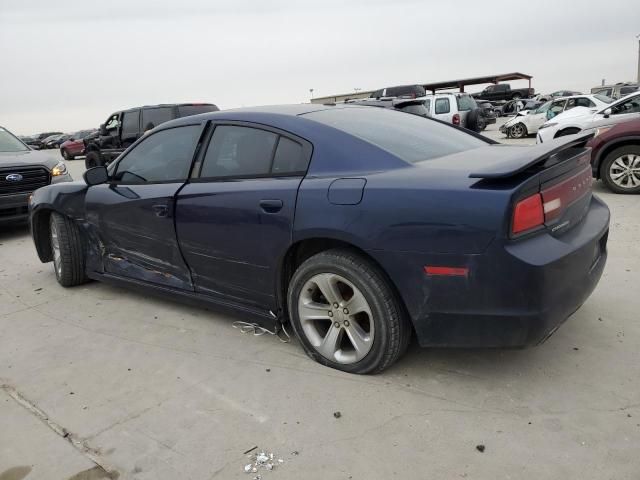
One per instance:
(250, 450)
(337, 414)
(480, 448)
(261, 460)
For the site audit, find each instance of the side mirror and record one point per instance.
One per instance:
(607, 113)
(96, 176)
(103, 130)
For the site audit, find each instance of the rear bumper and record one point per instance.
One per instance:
(515, 295)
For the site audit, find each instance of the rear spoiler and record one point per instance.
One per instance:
(531, 156)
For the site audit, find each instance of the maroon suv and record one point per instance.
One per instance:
(615, 156)
(74, 145)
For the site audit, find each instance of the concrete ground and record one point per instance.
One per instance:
(99, 382)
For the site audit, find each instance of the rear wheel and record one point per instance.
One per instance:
(620, 170)
(346, 314)
(92, 159)
(67, 250)
(518, 131)
(65, 154)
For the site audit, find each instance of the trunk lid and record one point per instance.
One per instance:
(556, 180)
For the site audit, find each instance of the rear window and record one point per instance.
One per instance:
(465, 103)
(188, 110)
(409, 137)
(152, 117)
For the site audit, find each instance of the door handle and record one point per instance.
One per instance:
(271, 206)
(161, 210)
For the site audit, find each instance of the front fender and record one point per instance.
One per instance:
(66, 198)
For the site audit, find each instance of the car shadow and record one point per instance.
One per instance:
(14, 231)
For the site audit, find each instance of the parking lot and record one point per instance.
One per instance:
(101, 382)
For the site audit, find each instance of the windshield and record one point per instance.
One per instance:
(409, 137)
(543, 108)
(603, 98)
(9, 143)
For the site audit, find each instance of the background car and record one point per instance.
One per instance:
(359, 225)
(410, 91)
(36, 140)
(514, 106)
(503, 91)
(22, 171)
(74, 145)
(615, 156)
(123, 128)
(581, 118)
(616, 91)
(529, 122)
(457, 109)
(488, 111)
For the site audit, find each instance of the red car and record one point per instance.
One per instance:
(74, 146)
(615, 156)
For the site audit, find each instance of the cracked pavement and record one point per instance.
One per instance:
(153, 389)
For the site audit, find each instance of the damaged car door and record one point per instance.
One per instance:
(133, 214)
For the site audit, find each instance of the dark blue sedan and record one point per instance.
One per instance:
(360, 226)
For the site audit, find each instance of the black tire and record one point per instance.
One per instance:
(69, 267)
(519, 130)
(392, 327)
(93, 159)
(66, 155)
(606, 170)
(474, 120)
(567, 131)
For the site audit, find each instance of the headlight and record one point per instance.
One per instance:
(547, 125)
(59, 169)
(601, 130)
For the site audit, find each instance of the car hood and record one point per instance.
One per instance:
(28, 158)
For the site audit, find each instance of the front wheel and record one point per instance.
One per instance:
(346, 314)
(620, 170)
(67, 250)
(518, 131)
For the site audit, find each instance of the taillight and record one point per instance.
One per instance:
(456, 119)
(557, 197)
(528, 214)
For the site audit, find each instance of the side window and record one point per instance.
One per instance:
(289, 158)
(442, 106)
(624, 91)
(630, 106)
(584, 102)
(112, 123)
(161, 157)
(152, 117)
(236, 151)
(130, 123)
(427, 104)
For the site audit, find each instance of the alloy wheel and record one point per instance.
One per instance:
(336, 318)
(55, 248)
(625, 171)
(517, 131)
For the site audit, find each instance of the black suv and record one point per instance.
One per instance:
(124, 127)
(411, 91)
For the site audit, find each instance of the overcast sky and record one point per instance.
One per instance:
(68, 64)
